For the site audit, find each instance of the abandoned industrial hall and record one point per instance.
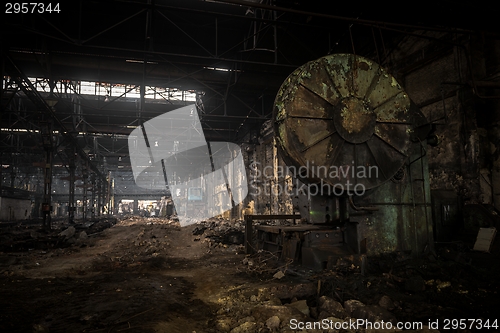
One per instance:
(249, 166)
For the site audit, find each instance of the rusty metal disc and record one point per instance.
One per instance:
(343, 121)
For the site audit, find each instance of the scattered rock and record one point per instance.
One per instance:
(352, 305)
(246, 319)
(279, 275)
(330, 308)
(371, 313)
(284, 313)
(34, 234)
(314, 312)
(273, 300)
(387, 303)
(223, 325)
(301, 290)
(199, 230)
(273, 323)
(247, 261)
(68, 233)
(248, 327)
(301, 306)
(442, 285)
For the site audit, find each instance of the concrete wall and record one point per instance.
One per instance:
(14, 209)
(440, 77)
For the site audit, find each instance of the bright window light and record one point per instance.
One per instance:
(89, 88)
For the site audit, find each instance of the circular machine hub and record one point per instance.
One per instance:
(342, 120)
(355, 122)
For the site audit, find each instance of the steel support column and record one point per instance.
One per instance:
(12, 176)
(109, 205)
(85, 185)
(99, 198)
(92, 196)
(47, 179)
(71, 202)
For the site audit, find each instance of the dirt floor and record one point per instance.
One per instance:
(150, 275)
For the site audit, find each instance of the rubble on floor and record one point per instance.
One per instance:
(151, 275)
(24, 237)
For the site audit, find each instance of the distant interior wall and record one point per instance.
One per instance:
(12, 209)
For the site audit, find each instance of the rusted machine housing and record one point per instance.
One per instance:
(345, 112)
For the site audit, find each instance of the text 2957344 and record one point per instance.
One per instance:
(32, 8)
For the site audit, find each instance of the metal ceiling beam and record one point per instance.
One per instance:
(28, 88)
(372, 23)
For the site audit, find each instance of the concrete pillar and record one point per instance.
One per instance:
(136, 206)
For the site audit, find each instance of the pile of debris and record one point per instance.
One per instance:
(32, 237)
(298, 307)
(393, 288)
(221, 233)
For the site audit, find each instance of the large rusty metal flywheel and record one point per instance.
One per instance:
(342, 119)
